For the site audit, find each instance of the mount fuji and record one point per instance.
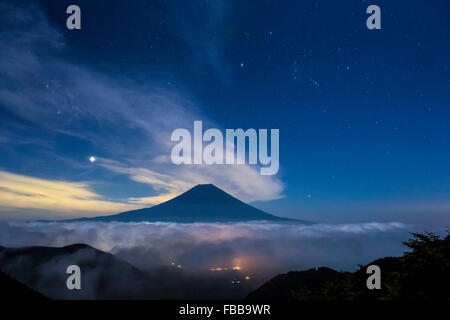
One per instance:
(202, 203)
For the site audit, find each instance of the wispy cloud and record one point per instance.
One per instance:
(207, 35)
(241, 181)
(69, 199)
(126, 120)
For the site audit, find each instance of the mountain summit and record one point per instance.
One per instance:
(202, 203)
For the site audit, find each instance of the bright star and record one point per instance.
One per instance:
(91, 159)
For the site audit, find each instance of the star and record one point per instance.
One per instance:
(315, 83)
(92, 159)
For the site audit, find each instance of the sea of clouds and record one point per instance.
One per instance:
(257, 247)
(174, 260)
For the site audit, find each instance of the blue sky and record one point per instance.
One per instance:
(363, 115)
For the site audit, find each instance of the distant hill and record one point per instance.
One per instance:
(283, 286)
(105, 276)
(202, 203)
(421, 274)
(44, 270)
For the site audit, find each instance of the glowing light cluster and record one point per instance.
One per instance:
(219, 269)
(225, 268)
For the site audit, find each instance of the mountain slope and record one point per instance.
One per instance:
(202, 203)
(11, 289)
(421, 274)
(44, 270)
(285, 286)
(106, 276)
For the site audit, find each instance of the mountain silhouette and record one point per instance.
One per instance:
(421, 274)
(202, 203)
(43, 269)
(105, 276)
(14, 290)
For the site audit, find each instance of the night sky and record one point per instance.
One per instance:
(364, 115)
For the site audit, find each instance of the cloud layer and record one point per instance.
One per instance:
(175, 260)
(263, 248)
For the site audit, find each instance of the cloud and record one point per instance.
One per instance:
(168, 186)
(241, 181)
(258, 248)
(208, 34)
(125, 119)
(67, 198)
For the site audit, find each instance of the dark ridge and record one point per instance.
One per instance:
(44, 270)
(105, 276)
(422, 274)
(282, 286)
(11, 289)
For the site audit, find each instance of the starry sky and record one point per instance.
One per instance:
(363, 114)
